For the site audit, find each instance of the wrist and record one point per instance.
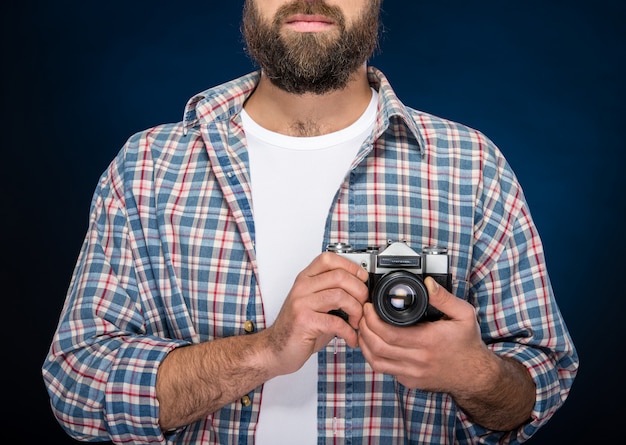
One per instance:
(267, 353)
(481, 373)
(499, 393)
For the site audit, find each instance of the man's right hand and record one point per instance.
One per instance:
(304, 325)
(196, 380)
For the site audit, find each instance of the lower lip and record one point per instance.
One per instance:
(303, 26)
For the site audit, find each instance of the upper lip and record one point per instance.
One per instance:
(309, 18)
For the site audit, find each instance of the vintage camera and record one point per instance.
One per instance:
(396, 279)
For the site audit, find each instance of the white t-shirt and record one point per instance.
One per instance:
(294, 181)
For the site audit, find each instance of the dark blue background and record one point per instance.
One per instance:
(543, 79)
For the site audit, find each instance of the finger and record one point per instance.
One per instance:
(373, 323)
(339, 303)
(339, 279)
(370, 330)
(345, 331)
(377, 362)
(325, 326)
(368, 338)
(382, 356)
(329, 261)
(379, 329)
(441, 299)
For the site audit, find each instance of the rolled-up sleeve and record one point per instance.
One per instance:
(102, 365)
(516, 307)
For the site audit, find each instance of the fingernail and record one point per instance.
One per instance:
(433, 286)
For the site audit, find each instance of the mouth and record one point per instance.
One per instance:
(309, 23)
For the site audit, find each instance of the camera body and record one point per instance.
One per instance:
(396, 279)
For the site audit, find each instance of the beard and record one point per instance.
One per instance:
(315, 63)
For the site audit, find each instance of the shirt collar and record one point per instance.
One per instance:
(221, 102)
(226, 100)
(390, 107)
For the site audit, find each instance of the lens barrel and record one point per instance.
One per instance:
(400, 298)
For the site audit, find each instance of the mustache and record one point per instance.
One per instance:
(309, 8)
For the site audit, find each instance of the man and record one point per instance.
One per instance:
(203, 311)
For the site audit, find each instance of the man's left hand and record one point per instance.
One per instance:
(444, 355)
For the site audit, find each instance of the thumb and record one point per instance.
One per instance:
(443, 300)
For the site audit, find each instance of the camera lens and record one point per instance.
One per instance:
(400, 298)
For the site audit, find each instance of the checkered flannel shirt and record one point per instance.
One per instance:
(168, 260)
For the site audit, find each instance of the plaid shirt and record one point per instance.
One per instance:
(169, 260)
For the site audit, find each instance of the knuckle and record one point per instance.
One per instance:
(327, 258)
(392, 336)
(335, 275)
(380, 366)
(378, 347)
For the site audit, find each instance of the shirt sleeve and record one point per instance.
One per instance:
(516, 307)
(102, 365)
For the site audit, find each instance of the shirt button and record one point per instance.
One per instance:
(246, 401)
(248, 326)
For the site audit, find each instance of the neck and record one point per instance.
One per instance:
(309, 114)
